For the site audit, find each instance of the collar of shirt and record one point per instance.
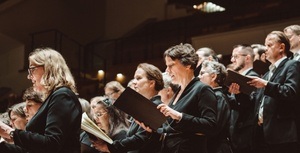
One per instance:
(272, 68)
(246, 71)
(296, 55)
(276, 64)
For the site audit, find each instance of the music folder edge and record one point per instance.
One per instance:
(234, 77)
(140, 108)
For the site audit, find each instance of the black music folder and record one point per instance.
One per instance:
(234, 77)
(140, 108)
(260, 67)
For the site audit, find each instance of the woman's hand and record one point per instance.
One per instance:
(100, 145)
(5, 130)
(169, 112)
(147, 128)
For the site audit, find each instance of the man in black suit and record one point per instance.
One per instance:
(293, 33)
(242, 105)
(275, 102)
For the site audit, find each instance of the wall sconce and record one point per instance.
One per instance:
(120, 77)
(100, 75)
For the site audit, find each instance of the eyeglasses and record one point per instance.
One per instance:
(110, 94)
(202, 73)
(237, 55)
(99, 114)
(32, 69)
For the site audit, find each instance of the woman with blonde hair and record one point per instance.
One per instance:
(55, 128)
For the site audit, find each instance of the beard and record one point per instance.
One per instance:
(239, 67)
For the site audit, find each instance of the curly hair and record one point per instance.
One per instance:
(185, 53)
(218, 69)
(30, 94)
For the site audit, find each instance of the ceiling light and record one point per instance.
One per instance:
(209, 7)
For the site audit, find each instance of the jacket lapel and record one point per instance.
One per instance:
(278, 69)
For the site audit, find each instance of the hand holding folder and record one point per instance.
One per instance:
(241, 80)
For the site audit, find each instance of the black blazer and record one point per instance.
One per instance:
(242, 118)
(245, 105)
(55, 128)
(280, 95)
(198, 105)
(219, 141)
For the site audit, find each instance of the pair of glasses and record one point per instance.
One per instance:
(203, 72)
(110, 94)
(238, 55)
(99, 114)
(33, 68)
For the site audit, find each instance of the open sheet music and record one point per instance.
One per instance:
(91, 128)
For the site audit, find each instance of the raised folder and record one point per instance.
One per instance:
(260, 67)
(241, 80)
(140, 108)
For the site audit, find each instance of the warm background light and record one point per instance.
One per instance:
(100, 74)
(209, 7)
(120, 77)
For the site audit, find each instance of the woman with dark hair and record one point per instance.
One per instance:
(148, 82)
(33, 102)
(108, 118)
(17, 116)
(192, 112)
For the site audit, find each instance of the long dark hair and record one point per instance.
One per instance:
(117, 119)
